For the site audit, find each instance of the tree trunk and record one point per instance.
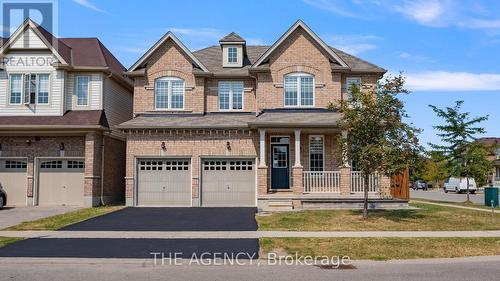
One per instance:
(468, 196)
(365, 202)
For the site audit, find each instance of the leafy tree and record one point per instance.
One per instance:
(435, 168)
(378, 139)
(457, 133)
(478, 166)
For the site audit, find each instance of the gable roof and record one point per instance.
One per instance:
(168, 35)
(73, 52)
(295, 26)
(211, 57)
(232, 38)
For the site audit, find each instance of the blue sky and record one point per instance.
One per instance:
(449, 50)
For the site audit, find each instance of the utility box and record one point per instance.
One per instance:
(491, 194)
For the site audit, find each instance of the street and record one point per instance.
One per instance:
(485, 268)
(439, 195)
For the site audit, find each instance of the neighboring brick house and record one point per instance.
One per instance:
(240, 125)
(494, 146)
(60, 99)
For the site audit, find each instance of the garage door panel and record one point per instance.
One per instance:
(61, 182)
(228, 183)
(164, 182)
(13, 178)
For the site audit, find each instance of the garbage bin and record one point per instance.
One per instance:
(491, 194)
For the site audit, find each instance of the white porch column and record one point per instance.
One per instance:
(297, 148)
(262, 146)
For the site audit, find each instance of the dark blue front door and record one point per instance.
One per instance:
(280, 170)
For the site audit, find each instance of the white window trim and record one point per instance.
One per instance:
(309, 152)
(23, 74)
(88, 90)
(231, 96)
(299, 89)
(236, 53)
(169, 94)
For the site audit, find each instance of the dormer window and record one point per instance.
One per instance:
(233, 50)
(232, 55)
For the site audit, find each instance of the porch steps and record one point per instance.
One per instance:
(280, 205)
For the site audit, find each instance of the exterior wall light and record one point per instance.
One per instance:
(163, 146)
(228, 146)
(61, 149)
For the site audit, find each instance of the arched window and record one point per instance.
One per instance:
(169, 93)
(299, 89)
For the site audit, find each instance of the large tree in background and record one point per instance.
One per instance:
(457, 134)
(435, 168)
(378, 139)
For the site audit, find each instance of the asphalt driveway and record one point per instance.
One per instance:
(149, 219)
(171, 219)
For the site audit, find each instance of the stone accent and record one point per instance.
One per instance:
(93, 164)
(345, 181)
(262, 180)
(297, 180)
(385, 187)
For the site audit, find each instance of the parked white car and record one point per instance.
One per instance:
(459, 185)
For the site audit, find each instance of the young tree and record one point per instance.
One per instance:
(478, 166)
(377, 138)
(435, 168)
(457, 134)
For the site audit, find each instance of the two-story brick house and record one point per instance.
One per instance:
(60, 99)
(241, 125)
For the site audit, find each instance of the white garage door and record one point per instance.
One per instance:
(164, 182)
(61, 182)
(228, 183)
(13, 179)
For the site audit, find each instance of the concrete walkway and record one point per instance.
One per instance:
(242, 234)
(455, 206)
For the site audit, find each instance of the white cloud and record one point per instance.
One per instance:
(211, 33)
(482, 24)
(352, 44)
(415, 58)
(332, 6)
(425, 12)
(87, 4)
(452, 81)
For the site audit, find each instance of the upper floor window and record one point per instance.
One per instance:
(169, 93)
(349, 81)
(299, 89)
(82, 90)
(316, 153)
(232, 54)
(29, 88)
(231, 95)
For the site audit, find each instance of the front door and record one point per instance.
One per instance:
(280, 170)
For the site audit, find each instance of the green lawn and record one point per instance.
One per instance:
(382, 248)
(4, 241)
(59, 221)
(426, 217)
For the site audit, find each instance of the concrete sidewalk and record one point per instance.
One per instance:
(455, 206)
(242, 234)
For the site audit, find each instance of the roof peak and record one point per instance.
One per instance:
(232, 37)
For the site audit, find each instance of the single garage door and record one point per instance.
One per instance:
(164, 182)
(228, 183)
(61, 182)
(13, 179)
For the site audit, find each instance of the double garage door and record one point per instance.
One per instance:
(224, 182)
(60, 181)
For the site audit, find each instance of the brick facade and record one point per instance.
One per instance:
(87, 147)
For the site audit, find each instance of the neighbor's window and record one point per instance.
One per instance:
(316, 153)
(231, 95)
(232, 55)
(82, 90)
(29, 88)
(349, 81)
(16, 88)
(299, 89)
(169, 93)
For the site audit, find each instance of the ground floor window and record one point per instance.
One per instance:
(316, 153)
